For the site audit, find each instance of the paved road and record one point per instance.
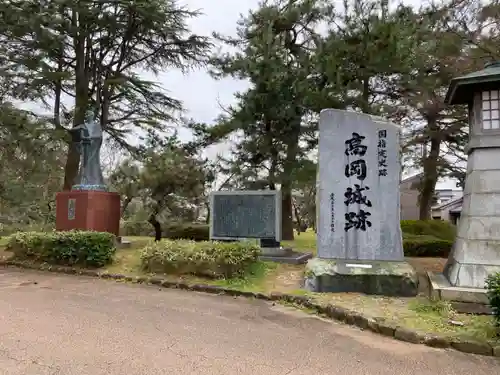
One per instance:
(52, 324)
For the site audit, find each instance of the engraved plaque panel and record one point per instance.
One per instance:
(245, 214)
(71, 209)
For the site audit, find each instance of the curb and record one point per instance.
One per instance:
(376, 325)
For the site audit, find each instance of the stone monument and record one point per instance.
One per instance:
(88, 205)
(476, 251)
(359, 234)
(251, 214)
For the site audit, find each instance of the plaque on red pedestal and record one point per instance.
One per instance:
(88, 210)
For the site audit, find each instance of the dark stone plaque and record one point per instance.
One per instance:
(245, 215)
(71, 209)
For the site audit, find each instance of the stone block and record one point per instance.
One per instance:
(480, 228)
(472, 251)
(482, 205)
(483, 181)
(283, 255)
(468, 275)
(374, 277)
(88, 210)
(441, 288)
(473, 347)
(483, 160)
(407, 335)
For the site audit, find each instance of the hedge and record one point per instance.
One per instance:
(426, 246)
(437, 228)
(195, 232)
(8, 229)
(89, 249)
(493, 290)
(136, 228)
(427, 238)
(206, 258)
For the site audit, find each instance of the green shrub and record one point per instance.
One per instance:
(174, 231)
(90, 249)
(207, 258)
(426, 246)
(493, 290)
(8, 229)
(193, 232)
(437, 228)
(136, 228)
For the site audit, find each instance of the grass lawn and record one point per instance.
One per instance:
(305, 242)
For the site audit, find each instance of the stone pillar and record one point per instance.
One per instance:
(476, 252)
(359, 242)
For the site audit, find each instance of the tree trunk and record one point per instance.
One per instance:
(429, 179)
(156, 225)
(274, 162)
(297, 217)
(126, 202)
(81, 98)
(286, 213)
(207, 219)
(286, 199)
(71, 167)
(286, 181)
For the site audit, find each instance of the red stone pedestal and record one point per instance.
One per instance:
(88, 210)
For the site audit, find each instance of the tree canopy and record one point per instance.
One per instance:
(298, 57)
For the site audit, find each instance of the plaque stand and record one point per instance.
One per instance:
(272, 251)
(88, 210)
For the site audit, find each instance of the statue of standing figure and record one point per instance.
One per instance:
(87, 137)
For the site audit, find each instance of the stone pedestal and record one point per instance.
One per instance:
(88, 210)
(476, 252)
(272, 251)
(373, 277)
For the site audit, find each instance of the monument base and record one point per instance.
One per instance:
(88, 210)
(283, 255)
(468, 275)
(368, 277)
(464, 300)
(121, 243)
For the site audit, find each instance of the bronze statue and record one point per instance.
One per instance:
(87, 137)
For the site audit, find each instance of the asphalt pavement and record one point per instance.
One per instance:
(65, 325)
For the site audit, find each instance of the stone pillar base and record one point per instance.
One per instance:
(88, 210)
(274, 251)
(468, 275)
(369, 277)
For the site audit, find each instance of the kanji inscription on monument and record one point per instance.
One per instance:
(356, 200)
(358, 162)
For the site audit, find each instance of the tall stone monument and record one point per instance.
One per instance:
(359, 235)
(476, 252)
(88, 205)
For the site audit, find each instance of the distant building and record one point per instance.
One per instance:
(408, 190)
(449, 210)
(447, 207)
